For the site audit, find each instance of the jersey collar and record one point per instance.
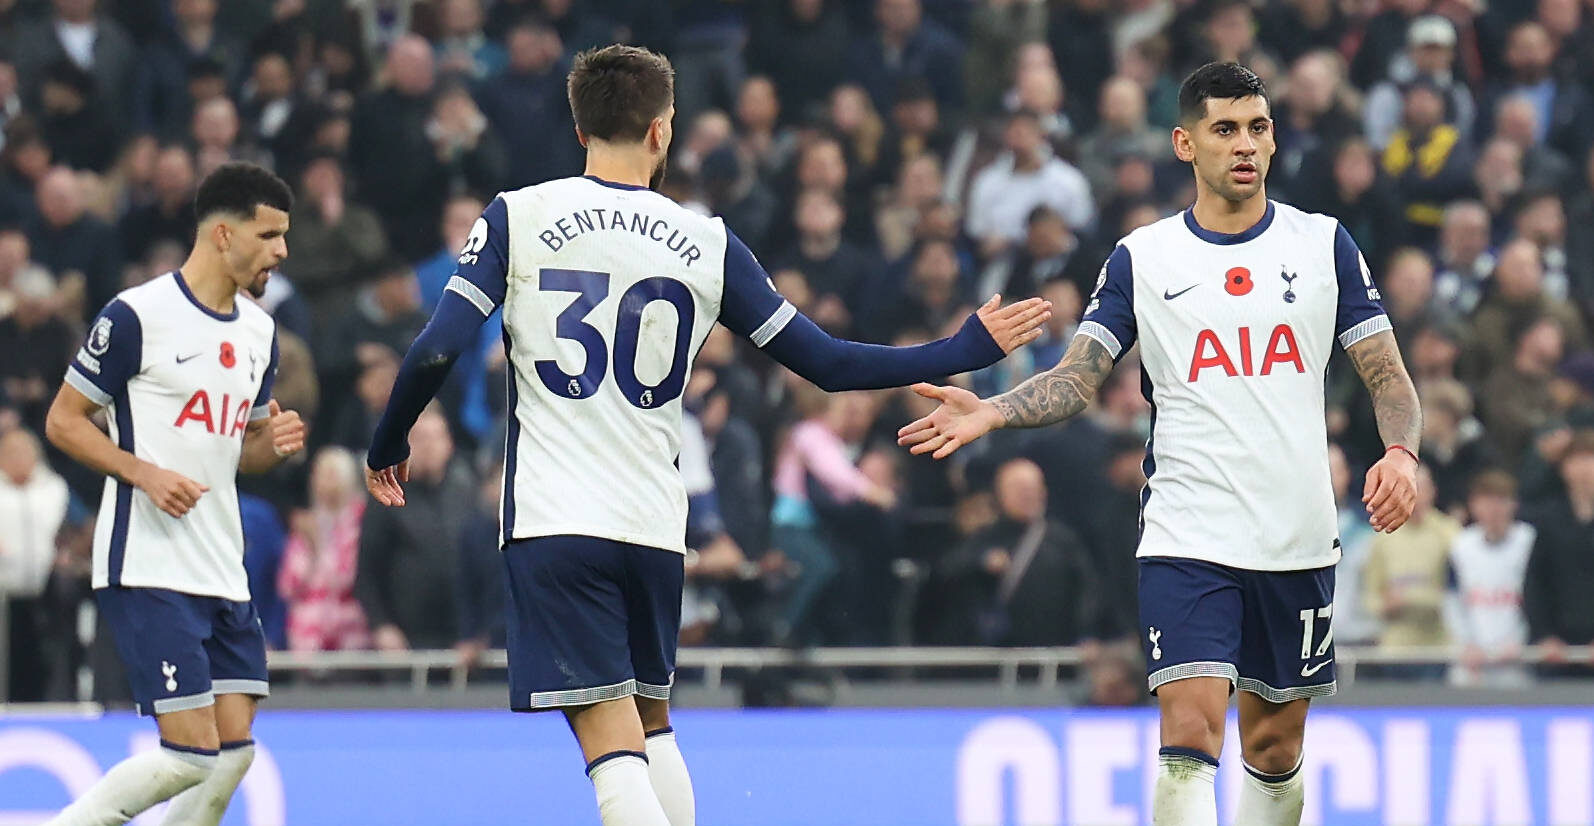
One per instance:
(1226, 238)
(189, 294)
(611, 184)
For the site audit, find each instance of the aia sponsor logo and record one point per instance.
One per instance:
(224, 419)
(1237, 358)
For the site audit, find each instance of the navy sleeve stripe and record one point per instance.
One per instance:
(1091, 329)
(771, 328)
(471, 293)
(75, 377)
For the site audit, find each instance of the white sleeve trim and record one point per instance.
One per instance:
(86, 387)
(1100, 333)
(471, 293)
(1372, 326)
(260, 411)
(767, 331)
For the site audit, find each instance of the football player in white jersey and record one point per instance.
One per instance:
(1237, 303)
(608, 289)
(185, 368)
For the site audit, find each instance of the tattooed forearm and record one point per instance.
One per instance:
(1059, 392)
(1377, 360)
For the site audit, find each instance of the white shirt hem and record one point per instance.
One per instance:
(1290, 563)
(599, 533)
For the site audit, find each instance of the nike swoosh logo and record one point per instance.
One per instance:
(1307, 671)
(1169, 296)
(181, 359)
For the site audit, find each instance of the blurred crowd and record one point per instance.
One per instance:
(893, 163)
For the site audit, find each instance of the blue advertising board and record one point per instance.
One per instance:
(840, 767)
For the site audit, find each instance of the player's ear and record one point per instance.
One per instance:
(1183, 147)
(581, 137)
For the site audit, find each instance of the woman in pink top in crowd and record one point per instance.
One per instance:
(817, 448)
(319, 563)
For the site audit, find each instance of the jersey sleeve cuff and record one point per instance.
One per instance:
(1100, 333)
(83, 384)
(1372, 326)
(260, 411)
(772, 327)
(472, 293)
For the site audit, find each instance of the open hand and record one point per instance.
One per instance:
(961, 418)
(1391, 491)
(384, 484)
(1017, 324)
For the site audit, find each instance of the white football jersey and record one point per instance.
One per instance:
(182, 383)
(1235, 333)
(607, 291)
(1488, 579)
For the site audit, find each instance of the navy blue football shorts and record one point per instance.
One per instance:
(181, 650)
(590, 620)
(1267, 632)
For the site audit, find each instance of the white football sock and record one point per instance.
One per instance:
(625, 794)
(671, 781)
(203, 805)
(1185, 794)
(1271, 799)
(137, 783)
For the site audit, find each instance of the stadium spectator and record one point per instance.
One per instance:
(462, 49)
(78, 248)
(1428, 158)
(996, 31)
(33, 506)
(169, 214)
(1519, 296)
(1024, 580)
(407, 556)
(1488, 564)
(1407, 286)
(394, 161)
(1430, 56)
(1351, 185)
(77, 31)
(1403, 582)
(832, 265)
(1561, 570)
(275, 116)
(803, 46)
(160, 86)
(335, 244)
(1564, 109)
(1465, 257)
(905, 44)
(1452, 443)
(1382, 40)
(1121, 130)
(816, 448)
(1517, 400)
(35, 346)
(526, 105)
(1023, 177)
(79, 132)
(321, 559)
(1310, 119)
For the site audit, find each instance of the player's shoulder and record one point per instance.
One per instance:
(1296, 221)
(152, 296)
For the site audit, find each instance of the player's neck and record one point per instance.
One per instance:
(210, 284)
(1218, 214)
(619, 167)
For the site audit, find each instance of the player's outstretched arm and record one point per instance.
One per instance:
(1391, 489)
(69, 426)
(269, 440)
(1045, 399)
(838, 364)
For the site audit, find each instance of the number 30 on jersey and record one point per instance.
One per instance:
(591, 289)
